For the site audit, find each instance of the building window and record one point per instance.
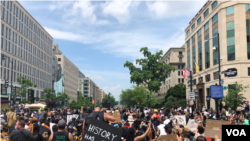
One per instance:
(230, 41)
(248, 38)
(188, 58)
(194, 59)
(208, 91)
(188, 32)
(215, 44)
(59, 59)
(206, 13)
(207, 77)
(230, 10)
(247, 7)
(206, 26)
(200, 55)
(188, 42)
(207, 53)
(199, 33)
(179, 80)
(214, 5)
(180, 59)
(179, 67)
(193, 26)
(180, 53)
(194, 82)
(248, 71)
(182, 80)
(179, 73)
(193, 38)
(215, 18)
(199, 21)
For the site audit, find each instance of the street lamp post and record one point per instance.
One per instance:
(214, 48)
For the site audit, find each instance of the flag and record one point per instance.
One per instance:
(197, 67)
(188, 69)
(184, 73)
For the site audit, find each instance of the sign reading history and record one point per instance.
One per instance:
(216, 91)
(230, 72)
(100, 131)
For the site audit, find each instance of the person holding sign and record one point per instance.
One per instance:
(97, 114)
(61, 135)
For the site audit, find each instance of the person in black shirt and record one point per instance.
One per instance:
(61, 135)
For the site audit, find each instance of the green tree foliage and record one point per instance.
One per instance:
(234, 96)
(178, 91)
(25, 85)
(109, 98)
(49, 94)
(82, 101)
(152, 72)
(173, 102)
(61, 98)
(131, 97)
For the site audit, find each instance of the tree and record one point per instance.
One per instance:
(49, 94)
(174, 102)
(234, 95)
(138, 94)
(152, 71)
(61, 98)
(25, 85)
(109, 98)
(178, 91)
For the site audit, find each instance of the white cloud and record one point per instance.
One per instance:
(59, 5)
(119, 9)
(114, 90)
(169, 9)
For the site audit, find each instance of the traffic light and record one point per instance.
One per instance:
(6, 83)
(147, 97)
(90, 99)
(14, 89)
(66, 99)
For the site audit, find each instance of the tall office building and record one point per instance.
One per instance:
(174, 57)
(231, 19)
(102, 94)
(69, 72)
(28, 45)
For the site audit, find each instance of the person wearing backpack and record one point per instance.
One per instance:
(21, 134)
(156, 119)
(72, 124)
(97, 114)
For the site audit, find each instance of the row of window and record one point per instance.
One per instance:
(230, 44)
(205, 14)
(26, 26)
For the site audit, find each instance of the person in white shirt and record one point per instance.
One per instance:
(166, 121)
(161, 129)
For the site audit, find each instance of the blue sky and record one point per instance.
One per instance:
(100, 36)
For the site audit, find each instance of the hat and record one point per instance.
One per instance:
(155, 110)
(130, 118)
(247, 101)
(61, 123)
(34, 119)
(73, 116)
(1, 116)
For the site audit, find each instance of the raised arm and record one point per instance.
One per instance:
(145, 134)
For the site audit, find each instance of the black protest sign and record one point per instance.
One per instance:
(100, 131)
(106, 105)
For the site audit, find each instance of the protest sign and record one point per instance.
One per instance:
(192, 125)
(69, 117)
(81, 109)
(181, 119)
(117, 117)
(214, 127)
(100, 131)
(170, 137)
(106, 105)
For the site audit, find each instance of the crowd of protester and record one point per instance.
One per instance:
(137, 124)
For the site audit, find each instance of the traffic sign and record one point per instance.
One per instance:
(225, 87)
(216, 91)
(195, 90)
(8, 93)
(191, 95)
(222, 81)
